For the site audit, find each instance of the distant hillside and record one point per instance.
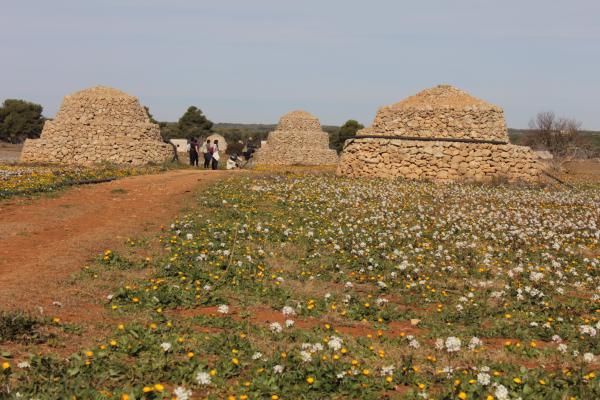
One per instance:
(257, 127)
(516, 136)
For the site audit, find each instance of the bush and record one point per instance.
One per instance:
(20, 120)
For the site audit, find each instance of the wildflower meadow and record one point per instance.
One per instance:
(310, 286)
(23, 179)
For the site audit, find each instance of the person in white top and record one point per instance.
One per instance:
(215, 154)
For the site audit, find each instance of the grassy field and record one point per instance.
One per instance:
(315, 287)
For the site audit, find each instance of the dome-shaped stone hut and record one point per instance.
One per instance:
(297, 140)
(95, 125)
(212, 138)
(441, 134)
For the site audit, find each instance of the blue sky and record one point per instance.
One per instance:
(254, 60)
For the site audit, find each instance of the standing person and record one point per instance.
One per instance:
(193, 150)
(207, 154)
(215, 155)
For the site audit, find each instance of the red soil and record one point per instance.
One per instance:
(45, 240)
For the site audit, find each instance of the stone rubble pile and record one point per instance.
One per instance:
(297, 140)
(99, 124)
(441, 134)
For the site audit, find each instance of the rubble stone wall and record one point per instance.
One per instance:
(466, 123)
(440, 112)
(440, 161)
(96, 125)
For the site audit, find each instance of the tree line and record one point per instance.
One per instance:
(20, 120)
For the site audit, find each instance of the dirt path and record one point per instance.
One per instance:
(43, 241)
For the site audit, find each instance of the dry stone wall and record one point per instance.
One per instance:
(441, 112)
(298, 140)
(437, 160)
(440, 134)
(96, 125)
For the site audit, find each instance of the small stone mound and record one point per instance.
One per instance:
(298, 140)
(443, 96)
(96, 125)
(299, 121)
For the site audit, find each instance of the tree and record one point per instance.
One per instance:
(193, 124)
(559, 136)
(20, 120)
(150, 115)
(169, 130)
(346, 131)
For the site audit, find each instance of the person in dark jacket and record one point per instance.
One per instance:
(193, 151)
(207, 154)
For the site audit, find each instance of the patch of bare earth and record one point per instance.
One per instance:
(45, 241)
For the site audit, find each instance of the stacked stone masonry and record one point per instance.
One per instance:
(99, 125)
(298, 140)
(440, 134)
(441, 112)
(438, 160)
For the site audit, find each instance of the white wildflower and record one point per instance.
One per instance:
(474, 343)
(166, 346)
(335, 343)
(483, 378)
(439, 344)
(452, 344)
(562, 348)
(556, 339)
(588, 330)
(287, 310)
(387, 370)
(380, 301)
(501, 392)
(305, 355)
(203, 378)
(275, 327)
(278, 369)
(589, 357)
(223, 309)
(182, 393)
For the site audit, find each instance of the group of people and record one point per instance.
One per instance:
(210, 152)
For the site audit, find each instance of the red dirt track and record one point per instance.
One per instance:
(45, 240)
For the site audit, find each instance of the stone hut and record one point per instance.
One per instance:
(297, 140)
(441, 134)
(95, 125)
(212, 138)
